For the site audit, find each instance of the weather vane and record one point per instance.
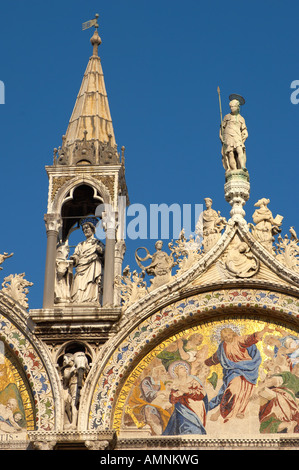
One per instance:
(90, 23)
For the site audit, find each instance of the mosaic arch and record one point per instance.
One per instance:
(222, 374)
(26, 398)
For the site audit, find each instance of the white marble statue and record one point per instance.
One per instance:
(266, 226)
(64, 269)
(160, 266)
(212, 225)
(74, 370)
(88, 260)
(233, 134)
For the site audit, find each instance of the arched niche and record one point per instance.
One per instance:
(27, 376)
(127, 356)
(78, 203)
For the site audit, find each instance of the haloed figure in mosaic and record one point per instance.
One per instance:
(240, 360)
(88, 260)
(190, 402)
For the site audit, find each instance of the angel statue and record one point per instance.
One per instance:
(160, 266)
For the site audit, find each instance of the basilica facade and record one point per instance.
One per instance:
(198, 349)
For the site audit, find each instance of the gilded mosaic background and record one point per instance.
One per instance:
(215, 378)
(16, 409)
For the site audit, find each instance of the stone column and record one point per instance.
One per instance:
(237, 191)
(109, 225)
(120, 249)
(53, 224)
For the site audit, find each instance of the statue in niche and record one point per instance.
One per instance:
(212, 225)
(233, 134)
(88, 260)
(160, 266)
(74, 371)
(63, 274)
(266, 226)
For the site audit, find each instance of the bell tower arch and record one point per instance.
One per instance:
(85, 247)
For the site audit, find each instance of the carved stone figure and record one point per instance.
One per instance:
(160, 267)
(212, 225)
(4, 257)
(287, 251)
(88, 260)
(266, 226)
(16, 287)
(233, 133)
(74, 370)
(131, 285)
(64, 269)
(239, 262)
(186, 251)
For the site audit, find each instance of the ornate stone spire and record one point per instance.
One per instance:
(90, 125)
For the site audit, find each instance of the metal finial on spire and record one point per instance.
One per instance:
(90, 23)
(95, 40)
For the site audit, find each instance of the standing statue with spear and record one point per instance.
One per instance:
(233, 133)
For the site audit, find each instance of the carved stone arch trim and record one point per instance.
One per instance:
(73, 183)
(16, 331)
(268, 258)
(182, 281)
(123, 352)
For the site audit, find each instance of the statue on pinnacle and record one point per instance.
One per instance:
(233, 134)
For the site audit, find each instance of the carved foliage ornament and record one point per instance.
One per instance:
(16, 286)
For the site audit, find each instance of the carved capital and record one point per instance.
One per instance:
(237, 192)
(53, 222)
(97, 445)
(44, 445)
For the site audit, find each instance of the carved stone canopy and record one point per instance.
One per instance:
(87, 152)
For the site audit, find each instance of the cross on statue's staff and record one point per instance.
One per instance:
(90, 23)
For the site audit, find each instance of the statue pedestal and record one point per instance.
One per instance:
(87, 322)
(236, 191)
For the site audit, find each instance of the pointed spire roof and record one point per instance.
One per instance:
(91, 118)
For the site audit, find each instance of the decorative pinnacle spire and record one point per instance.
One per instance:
(95, 40)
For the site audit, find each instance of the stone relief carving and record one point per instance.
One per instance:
(131, 285)
(88, 260)
(64, 274)
(212, 225)
(186, 251)
(84, 150)
(287, 251)
(266, 226)
(73, 372)
(233, 134)
(160, 266)
(239, 261)
(108, 153)
(16, 286)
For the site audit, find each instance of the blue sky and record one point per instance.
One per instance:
(162, 62)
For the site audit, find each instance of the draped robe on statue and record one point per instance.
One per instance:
(240, 361)
(88, 271)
